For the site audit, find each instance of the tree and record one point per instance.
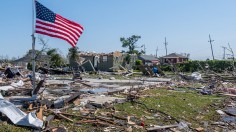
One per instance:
(29, 66)
(56, 59)
(39, 54)
(127, 58)
(44, 48)
(73, 53)
(141, 52)
(130, 43)
(138, 62)
(73, 56)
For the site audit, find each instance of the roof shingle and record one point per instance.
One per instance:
(174, 55)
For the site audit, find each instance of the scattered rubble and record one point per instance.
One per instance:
(90, 101)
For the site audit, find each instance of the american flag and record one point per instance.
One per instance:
(53, 25)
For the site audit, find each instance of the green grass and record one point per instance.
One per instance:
(185, 106)
(4, 127)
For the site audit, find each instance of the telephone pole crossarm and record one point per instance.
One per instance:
(210, 40)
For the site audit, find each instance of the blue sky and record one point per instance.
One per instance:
(185, 23)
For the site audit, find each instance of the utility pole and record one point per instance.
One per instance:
(224, 48)
(210, 40)
(166, 45)
(156, 51)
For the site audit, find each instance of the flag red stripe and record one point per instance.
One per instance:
(58, 27)
(74, 27)
(55, 31)
(69, 28)
(55, 36)
(61, 23)
(70, 22)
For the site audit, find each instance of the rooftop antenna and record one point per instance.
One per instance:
(210, 41)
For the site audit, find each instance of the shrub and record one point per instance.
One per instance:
(138, 62)
(192, 66)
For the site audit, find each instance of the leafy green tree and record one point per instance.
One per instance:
(138, 62)
(56, 59)
(73, 53)
(29, 66)
(142, 52)
(130, 42)
(127, 58)
(52, 51)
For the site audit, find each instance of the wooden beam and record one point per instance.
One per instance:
(161, 127)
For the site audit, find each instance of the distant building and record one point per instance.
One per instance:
(149, 59)
(4, 63)
(101, 61)
(174, 58)
(132, 61)
(106, 61)
(1, 62)
(41, 59)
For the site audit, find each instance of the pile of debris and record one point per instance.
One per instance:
(79, 101)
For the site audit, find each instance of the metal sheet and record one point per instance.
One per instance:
(17, 116)
(5, 88)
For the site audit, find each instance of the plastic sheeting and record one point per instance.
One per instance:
(17, 116)
(18, 84)
(196, 76)
(5, 88)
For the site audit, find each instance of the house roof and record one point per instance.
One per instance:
(148, 57)
(174, 55)
(3, 61)
(28, 58)
(116, 53)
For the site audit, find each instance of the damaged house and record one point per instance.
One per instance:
(105, 61)
(1, 63)
(102, 61)
(149, 59)
(174, 58)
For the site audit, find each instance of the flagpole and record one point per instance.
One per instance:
(33, 46)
